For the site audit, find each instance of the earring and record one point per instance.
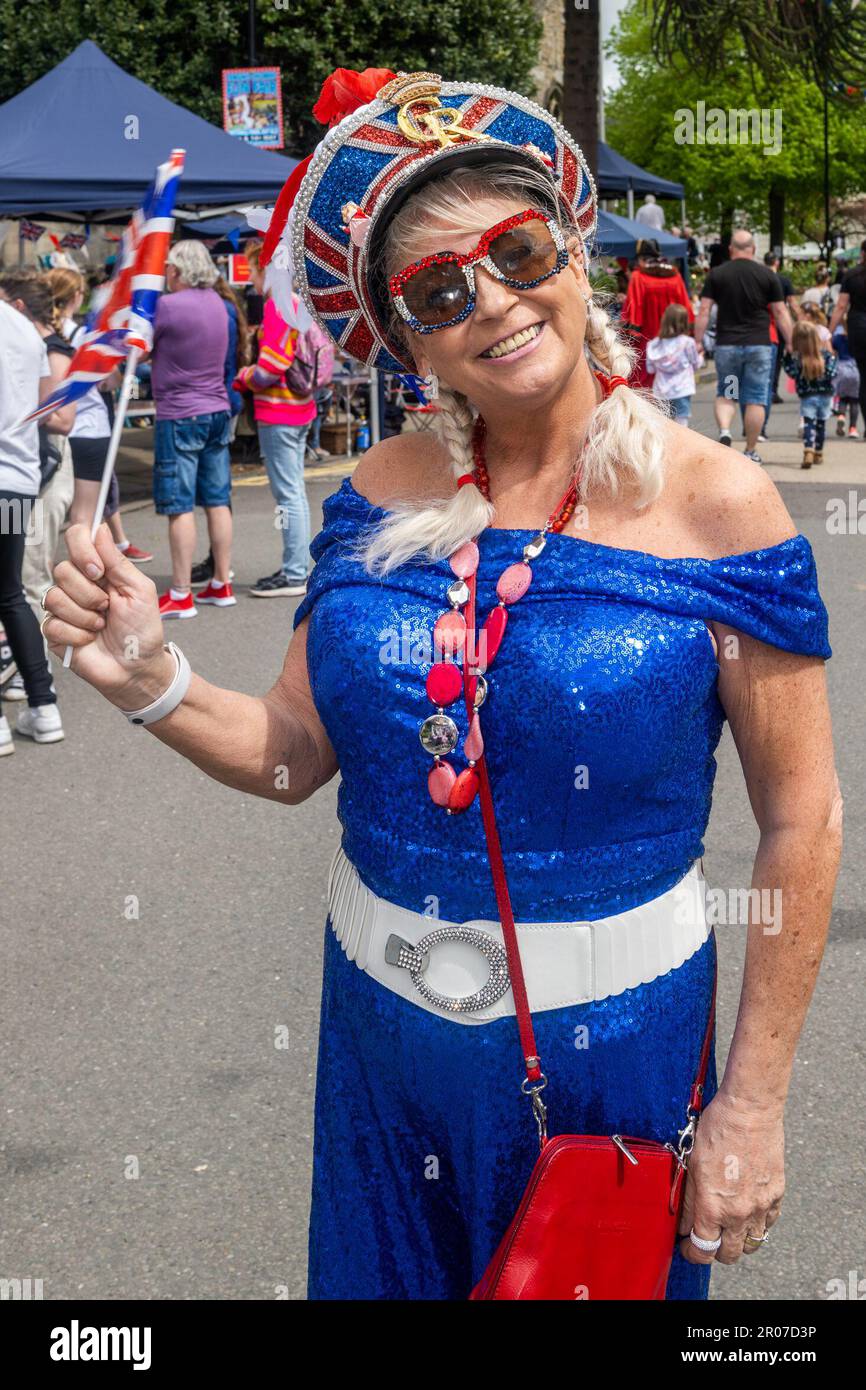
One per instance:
(430, 383)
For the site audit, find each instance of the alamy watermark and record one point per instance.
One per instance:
(739, 126)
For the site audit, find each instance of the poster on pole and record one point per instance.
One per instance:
(253, 106)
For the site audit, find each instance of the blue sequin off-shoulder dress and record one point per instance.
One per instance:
(423, 1143)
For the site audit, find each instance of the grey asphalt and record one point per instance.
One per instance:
(162, 934)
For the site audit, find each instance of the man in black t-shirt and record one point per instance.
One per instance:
(746, 294)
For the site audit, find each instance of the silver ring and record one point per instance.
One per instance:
(46, 619)
(709, 1247)
(45, 593)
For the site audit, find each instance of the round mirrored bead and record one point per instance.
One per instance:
(479, 691)
(458, 593)
(438, 735)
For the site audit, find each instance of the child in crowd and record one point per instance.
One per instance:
(812, 368)
(847, 386)
(672, 358)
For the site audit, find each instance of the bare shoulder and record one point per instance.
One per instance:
(726, 502)
(406, 467)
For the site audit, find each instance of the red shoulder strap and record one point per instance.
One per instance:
(531, 1059)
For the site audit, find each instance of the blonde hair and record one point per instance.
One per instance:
(622, 444)
(194, 264)
(806, 343)
(64, 284)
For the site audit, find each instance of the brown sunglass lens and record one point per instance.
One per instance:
(436, 294)
(524, 253)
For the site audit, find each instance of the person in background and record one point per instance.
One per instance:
(33, 298)
(813, 371)
(772, 262)
(814, 314)
(283, 423)
(94, 416)
(851, 309)
(747, 295)
(26, 379)
(237, 355)
(672, 358)
(192, 466)
(650, 214)
(237, 352)
(847, 386)
(818, 292)
(654, 284)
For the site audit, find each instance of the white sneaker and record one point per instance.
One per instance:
(15, 688)
(6, 744)
(41, 724)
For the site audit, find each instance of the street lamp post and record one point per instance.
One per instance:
(252, 32)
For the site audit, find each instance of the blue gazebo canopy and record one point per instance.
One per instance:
(617, 176)
(618, 236)
(64, 146)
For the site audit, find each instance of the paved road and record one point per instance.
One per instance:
(140, 1040)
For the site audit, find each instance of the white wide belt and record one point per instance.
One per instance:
(459, 970)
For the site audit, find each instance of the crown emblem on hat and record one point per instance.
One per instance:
(421, 116)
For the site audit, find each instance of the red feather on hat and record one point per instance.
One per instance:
(342, 93)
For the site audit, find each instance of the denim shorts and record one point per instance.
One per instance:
(744, 372)
(681, 407)
(191, 466)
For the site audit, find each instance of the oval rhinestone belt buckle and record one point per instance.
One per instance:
(415, 959)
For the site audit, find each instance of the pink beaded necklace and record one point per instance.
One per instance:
(454, 631)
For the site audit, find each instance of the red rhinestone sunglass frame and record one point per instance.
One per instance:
(479, 255)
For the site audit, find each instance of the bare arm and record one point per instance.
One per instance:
(59, 421)
(272, 746)
(840, 312)
(777, 707)
(702, 320)
(276, 746)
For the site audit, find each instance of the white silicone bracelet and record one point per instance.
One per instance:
(170, 698)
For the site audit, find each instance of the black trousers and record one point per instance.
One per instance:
(16, 615)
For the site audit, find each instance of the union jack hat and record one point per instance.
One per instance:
(389, 135)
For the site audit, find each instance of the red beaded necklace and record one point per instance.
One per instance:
(452, 634)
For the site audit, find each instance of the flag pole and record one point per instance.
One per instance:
(111, 455)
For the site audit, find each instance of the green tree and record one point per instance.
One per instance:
(180, 46)
(494, 41)
(176, 46)
(642, 122)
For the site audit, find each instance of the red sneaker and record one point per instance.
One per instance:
(176, 608)
(138, 557)
(218, 594)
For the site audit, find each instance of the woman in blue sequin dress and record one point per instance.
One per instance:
(678, 595)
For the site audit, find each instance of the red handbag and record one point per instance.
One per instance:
(598, 1218)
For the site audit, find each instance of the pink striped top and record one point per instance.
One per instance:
(273, 402)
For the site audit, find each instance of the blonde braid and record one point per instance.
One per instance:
(434, 528)
(624, 438)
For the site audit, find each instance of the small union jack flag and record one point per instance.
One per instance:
(125, 317)
(73, 241)
(30, 231)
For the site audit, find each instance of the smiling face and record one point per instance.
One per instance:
(518, 345)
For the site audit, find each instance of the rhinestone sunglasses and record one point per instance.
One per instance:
(439, 291)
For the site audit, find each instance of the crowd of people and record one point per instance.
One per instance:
(212, 359)
(747, 316)
(207, 364)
